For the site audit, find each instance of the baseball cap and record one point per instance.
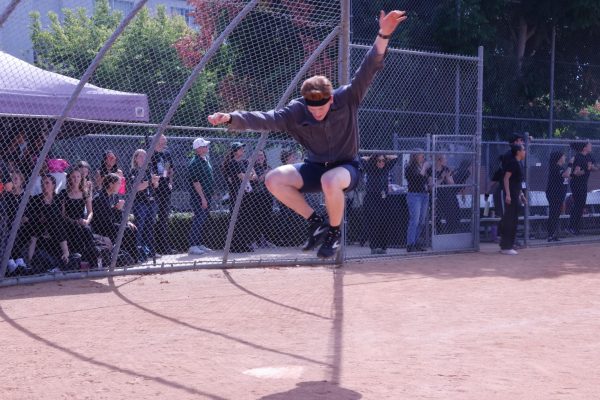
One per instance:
(237, 145)
(200, 142)
(514, 137)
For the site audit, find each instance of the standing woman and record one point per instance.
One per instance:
(376, 203)
(513, 183)
(108, 166)
(417, 198)
(234, 168)
(144, 205)
(76, 209)
(583, 164)
(556, 190)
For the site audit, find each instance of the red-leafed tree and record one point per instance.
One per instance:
(265, 50)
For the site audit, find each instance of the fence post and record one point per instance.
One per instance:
(344, 79)
(478, 135)
(527, 181)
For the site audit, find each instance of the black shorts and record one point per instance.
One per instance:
(311, 173)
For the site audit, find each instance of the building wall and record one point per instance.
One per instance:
(15, 35)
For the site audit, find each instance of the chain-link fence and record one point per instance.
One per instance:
(126, 176)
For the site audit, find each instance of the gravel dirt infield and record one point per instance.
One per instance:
(465, 326)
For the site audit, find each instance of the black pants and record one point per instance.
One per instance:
(509, 222)
(262, 213)
(81, 240)
(377, 220)
(447, 207)
(579, 199)
(244, 232)
(555, 203)
(162, 240)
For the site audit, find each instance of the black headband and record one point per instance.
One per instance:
(316, 103)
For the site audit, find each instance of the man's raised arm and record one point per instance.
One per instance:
(274, 120)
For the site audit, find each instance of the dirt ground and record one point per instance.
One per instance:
(470, 326)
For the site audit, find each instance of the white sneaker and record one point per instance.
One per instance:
(509, 252)
(195, 251)
(12, 265)
(204, 248)
(21, 263)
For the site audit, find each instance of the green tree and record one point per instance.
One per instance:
(143, 60)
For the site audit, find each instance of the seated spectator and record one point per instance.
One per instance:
(109, 165)
(48, 248)
(9, 204)
(108, 213)
(85, 168)
(77, 211)
(144, 205)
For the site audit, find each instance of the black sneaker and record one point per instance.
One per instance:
(330, 244)
(316, 233)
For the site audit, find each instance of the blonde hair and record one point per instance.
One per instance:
(135, 154)
(316, 88)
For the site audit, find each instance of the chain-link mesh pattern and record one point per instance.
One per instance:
(77, 203)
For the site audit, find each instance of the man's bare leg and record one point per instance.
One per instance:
(334, 182)
(285, 183)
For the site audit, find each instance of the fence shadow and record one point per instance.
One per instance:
(93, 361)
(121, 296)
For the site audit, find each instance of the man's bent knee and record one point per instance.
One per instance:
(338, 179)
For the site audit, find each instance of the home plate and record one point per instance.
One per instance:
(289, 372)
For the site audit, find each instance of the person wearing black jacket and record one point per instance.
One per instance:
(583, 164)
(47, 230)
(108, 212)
(513, 184)
(161, 164)
(234, 167)
(556, 190)
(376, 204)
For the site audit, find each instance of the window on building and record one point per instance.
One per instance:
(185, 13)
(125, 6)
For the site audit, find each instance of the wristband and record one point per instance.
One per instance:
(381, 35)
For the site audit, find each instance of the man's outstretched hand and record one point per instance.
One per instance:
(219, 118)
(390, 21)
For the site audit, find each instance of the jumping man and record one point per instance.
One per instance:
(325, 122)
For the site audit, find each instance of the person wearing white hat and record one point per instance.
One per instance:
(201, 190)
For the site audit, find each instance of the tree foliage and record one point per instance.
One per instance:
(143, 60)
